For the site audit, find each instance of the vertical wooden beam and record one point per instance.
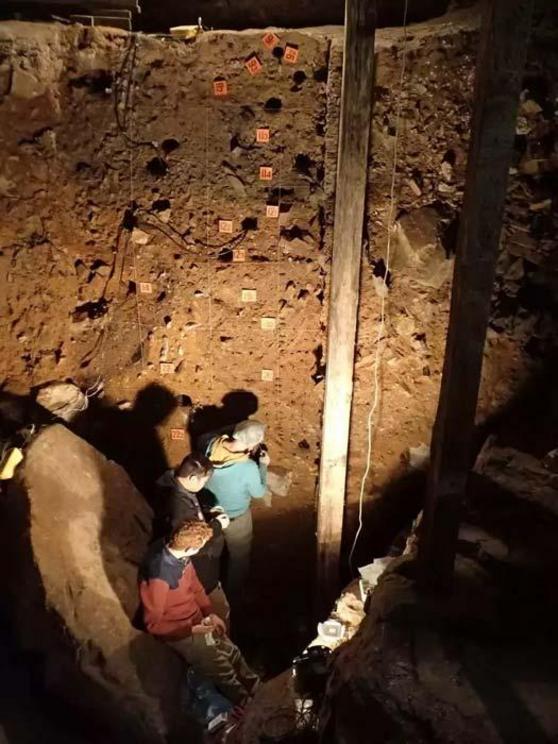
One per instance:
(352, 168)
(501, 59)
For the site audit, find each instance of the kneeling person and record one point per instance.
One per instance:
(176, 610)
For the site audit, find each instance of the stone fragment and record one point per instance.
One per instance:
(519, 473)
(279, 480)
(418, 248)
(77, 530)
(139, 237)
(25, 85)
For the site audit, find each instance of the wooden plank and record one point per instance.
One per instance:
(501, 59)
(352, 166)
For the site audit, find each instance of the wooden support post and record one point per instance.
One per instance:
(352, 168)
(501, 59)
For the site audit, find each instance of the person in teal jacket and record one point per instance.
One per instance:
(240, 465)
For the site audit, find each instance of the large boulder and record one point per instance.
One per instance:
(75, 531)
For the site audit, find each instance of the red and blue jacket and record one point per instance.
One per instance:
(172, 597)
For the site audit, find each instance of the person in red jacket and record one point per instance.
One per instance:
(176, 610)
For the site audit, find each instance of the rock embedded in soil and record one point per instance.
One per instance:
(76, 529)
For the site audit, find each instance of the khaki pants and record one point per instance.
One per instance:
(220, 604)
(220, 662)
(238, 537)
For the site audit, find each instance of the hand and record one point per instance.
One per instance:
(219, 625)
(203, 628)
(265, 459)
(223, 519)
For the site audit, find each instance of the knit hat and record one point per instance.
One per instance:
(249, 433)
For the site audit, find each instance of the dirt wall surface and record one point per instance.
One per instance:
(119, 162)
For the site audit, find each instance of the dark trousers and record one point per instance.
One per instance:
(220, 661)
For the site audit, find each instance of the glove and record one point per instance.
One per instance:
(218, 513)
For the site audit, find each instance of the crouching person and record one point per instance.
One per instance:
(176, 610)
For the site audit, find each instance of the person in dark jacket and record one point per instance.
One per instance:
(177, 610)
(180, 499)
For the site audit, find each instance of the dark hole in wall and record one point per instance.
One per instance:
(161, 296)
(379, 269)
(320, 75)
(97, 82)
(225, 255)
(293, 233)
(169, 145)
(235, 143)
(160, 205)
(129, 220)
(157, 167)
(299, 77)
(448, 236)
(450, 157)
(249, 223)
(303, 444)
(82, 166)
(320, 129)
(303, 163)
(92, 310)
(319, 372)
(278, 52)
(273, 105)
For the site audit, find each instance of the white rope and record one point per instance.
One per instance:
(384, 291)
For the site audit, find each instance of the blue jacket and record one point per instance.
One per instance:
(234, 485)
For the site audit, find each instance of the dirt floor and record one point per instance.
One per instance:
(142, 246)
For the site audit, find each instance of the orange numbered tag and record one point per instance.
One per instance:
(272, 211)
(270, 40)
(267, 375)
(253, 65)
(262, 135)
(225, 226)
(145, 287)
(266, 173)
(177, 435)
(166, 368)
(268, 324)
(220, 88)
(291, 54)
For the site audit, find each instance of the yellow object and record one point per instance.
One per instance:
(185, 32)
(220, 455)
(10, 462)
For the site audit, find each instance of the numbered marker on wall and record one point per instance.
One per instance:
(253, 65)
(166, 368)
(270, 40)
(267, 375)
(178, 435)
(145, 288)
(262, 135)
(220, 88)
(225, 226)
(268, 324)
(272, 211)
(291, 54)
(239, 255)
(266, 173)
(249, 295)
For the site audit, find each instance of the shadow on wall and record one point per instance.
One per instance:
(235, 407)
(129, 437)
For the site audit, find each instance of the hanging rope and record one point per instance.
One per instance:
(371, 423)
